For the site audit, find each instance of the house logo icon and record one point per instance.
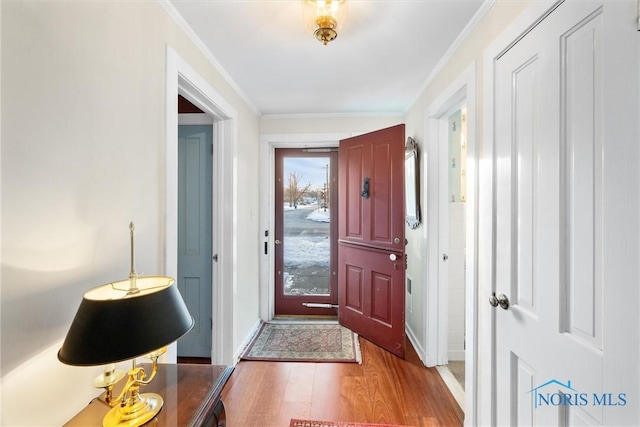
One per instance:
(564, 390)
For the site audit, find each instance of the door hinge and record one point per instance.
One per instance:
(215, 258)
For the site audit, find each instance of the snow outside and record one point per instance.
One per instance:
(306, 250)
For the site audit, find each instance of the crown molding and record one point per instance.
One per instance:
(332, 115)
(197, 41)
(462, 37)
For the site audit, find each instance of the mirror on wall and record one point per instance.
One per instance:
(412, 183)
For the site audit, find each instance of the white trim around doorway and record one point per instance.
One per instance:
(182, 79)
(461, 90)
(268, 145)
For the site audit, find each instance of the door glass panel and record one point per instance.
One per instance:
(458, 156)
(306, 226)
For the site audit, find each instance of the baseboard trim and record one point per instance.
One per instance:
(245, 343)
(416, 344)
(456, 355)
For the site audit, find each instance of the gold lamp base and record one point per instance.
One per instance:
(134, 414)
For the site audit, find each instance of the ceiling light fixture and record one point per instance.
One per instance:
(324, 18)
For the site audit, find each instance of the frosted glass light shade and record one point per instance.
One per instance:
(324, 18)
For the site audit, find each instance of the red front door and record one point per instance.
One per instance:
(371, 237)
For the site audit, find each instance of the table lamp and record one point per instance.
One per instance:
(121, 321)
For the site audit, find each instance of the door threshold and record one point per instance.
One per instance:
(452, 384)
(320, 305)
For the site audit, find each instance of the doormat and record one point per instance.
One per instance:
(304, 342)
(313, 423)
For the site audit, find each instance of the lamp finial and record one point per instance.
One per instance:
(133, 287)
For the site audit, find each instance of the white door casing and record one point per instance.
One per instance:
(462, 90)
(268, 144)
(563, 153)
(182, 78)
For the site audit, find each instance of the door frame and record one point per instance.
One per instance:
(182, 79)
(461, 90)
(268, 145)
(527, 20)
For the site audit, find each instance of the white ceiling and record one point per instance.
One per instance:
(379, 63)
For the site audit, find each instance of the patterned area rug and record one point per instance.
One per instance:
(304, 342)
(310, 423)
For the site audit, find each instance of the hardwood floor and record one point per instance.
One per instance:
(384, 389)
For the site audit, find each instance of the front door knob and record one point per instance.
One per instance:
(501, 300)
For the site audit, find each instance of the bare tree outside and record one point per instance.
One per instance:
(306, 227)
(294, 191)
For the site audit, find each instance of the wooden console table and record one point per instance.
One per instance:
(191, 395)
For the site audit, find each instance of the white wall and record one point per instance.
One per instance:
(469, 52)
(456, 294)
(83, 154)
(454, 67)
(326, 124)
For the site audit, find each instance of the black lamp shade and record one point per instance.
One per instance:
(113, 324)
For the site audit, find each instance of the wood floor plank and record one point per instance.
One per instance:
(300, 383)
(327, 387)
(384, 389)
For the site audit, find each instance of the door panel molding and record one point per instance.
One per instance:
(352, 225)
(376, 224)
(582, 188)
(588, 190)
(360, 307)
